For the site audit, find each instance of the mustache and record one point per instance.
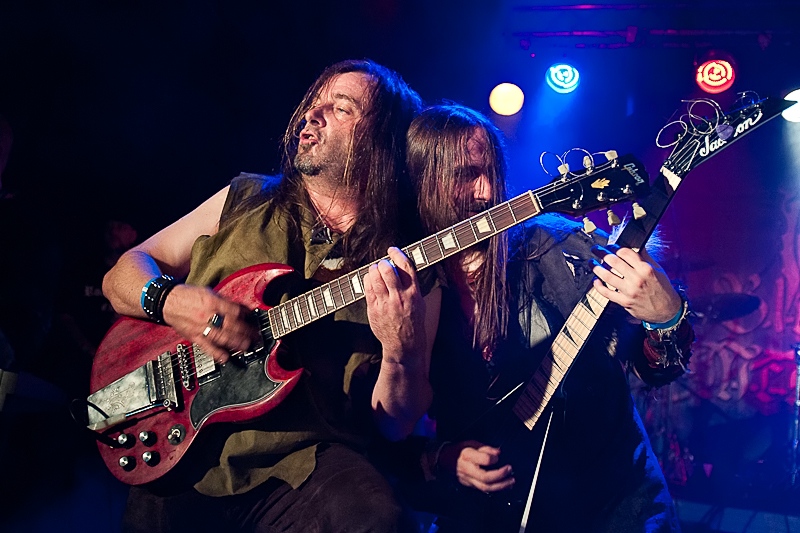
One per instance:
(477, 206)
(308, 130)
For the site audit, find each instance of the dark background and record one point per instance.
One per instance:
(138, 111)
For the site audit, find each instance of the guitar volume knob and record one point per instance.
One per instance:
(127, 462)
(150, 458)
(125, 440)
(148, 438)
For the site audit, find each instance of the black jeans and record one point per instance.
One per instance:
(345, 493)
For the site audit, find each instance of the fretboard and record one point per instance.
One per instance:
(341, 292)
(565, 349)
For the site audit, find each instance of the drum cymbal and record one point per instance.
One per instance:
(680, 264)
(725, 306)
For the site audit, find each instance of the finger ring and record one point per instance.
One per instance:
(206, 331)
(216, 320)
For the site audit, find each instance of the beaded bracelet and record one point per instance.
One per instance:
(154, 293)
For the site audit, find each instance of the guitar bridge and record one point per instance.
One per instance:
(151, 386)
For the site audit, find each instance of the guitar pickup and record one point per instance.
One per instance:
(151, 386)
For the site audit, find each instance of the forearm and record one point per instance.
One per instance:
(402, 394)
(122, 285)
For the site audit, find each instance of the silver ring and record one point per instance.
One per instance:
(216, 320)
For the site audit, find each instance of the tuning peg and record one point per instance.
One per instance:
(611, 155)
(563, 169)
(588, 225)
(613, 219)
(638, 211)
(587, 162)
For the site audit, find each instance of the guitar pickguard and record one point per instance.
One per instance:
(238, 384)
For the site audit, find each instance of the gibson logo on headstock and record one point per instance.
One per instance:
(634, 172)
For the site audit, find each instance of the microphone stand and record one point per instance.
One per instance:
(796, 428)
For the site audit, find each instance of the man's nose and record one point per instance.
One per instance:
(315, 115)
(482, 189)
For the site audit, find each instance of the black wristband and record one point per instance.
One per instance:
(153, 295)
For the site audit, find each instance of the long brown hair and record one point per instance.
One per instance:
(437, 154)
(376, 169)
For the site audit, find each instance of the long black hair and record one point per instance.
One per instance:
(376, 171)
(437, 155)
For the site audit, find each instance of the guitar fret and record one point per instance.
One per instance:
(577, 330)
(298, 318)
(355, 282)
(450, 243)
(312, 305)
(338, 294)
(503, 217)
(482, 225)
(273, 321)
(284, 318)
(465, 234)
(439, 255)
(566, 355)
(417, 255)
(346, 288)
(348, 296)
(362, 272)
(327, 297)
(435, 254)
(523, 207)
(290, 315)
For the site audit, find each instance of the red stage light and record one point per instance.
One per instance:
(715, 76)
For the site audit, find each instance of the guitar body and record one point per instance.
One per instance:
(137, 361)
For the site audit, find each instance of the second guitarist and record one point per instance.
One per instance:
(502, 307)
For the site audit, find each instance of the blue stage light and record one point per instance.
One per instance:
(563, 78)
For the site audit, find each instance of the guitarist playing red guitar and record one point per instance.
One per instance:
(300, 468)
(503, 304)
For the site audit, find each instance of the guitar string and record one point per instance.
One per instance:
(175, 358)
(460, 230)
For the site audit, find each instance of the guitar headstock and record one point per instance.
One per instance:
(703, 129)
(619, 179)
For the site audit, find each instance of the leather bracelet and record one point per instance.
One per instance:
(154, 293)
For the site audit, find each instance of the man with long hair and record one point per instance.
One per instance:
(505, 300)
(335, 207)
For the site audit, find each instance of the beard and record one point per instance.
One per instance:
(306, 163)
(329, 159)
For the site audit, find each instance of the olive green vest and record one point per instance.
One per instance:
(328, 404)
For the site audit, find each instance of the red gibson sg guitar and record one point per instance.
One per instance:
(152, 392)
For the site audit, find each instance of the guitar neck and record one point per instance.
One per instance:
(572, 337)
(343, 291)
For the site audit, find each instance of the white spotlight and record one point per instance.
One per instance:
(506, 99)
(793, 113)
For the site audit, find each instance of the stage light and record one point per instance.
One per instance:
(506, 99)
(793, 113)
(563, 78)
(715, 76)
